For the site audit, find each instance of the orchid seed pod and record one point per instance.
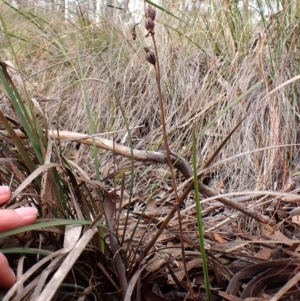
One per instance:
(150, 56)
(149, 25)
(151, 13)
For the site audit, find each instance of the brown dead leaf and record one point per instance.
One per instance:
(162, 237)
(296, 219)
(156, 262)
(295, 212)
(151, 206)
(171, 244)
(218, 238)
(280, 237)
(265, 253)
(172, 252)
(267, 230)
(229, 297)
(195, 263)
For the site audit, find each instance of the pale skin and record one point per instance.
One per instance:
(12, 219)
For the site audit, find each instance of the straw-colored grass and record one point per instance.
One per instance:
(219, 66)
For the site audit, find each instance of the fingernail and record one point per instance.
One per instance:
(26, 211)
(4, 190)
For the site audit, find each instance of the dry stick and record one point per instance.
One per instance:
(152, 157)
(125, 151)
(168, 153)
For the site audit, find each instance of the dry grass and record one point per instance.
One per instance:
(204, 68)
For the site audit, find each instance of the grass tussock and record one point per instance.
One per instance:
(81, 139)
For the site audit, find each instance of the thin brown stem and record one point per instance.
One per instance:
(169, 160)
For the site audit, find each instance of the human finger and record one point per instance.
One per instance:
(7, 276)
(11, 219)
(4, 194)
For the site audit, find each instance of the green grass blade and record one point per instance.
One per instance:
(199, 219)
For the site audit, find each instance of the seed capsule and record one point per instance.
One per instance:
(151, 13)
(150, 56)
(149, 25)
